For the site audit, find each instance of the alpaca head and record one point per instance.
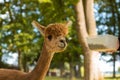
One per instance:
(54, 35)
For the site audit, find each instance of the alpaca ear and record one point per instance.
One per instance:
(40, 27)
(68, 23)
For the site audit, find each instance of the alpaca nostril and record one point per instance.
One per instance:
(62, 41)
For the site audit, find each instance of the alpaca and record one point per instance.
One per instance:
(54, 41)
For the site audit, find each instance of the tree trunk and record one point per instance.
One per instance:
(24, 63)
(91, 28)
(77, 71)
(20, 60)
(72, 73)
(82, 35)
(114, 57)
(61, 69)
(0, 57)
(85, 19)
(114, 6)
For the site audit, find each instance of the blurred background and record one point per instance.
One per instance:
(20, 42)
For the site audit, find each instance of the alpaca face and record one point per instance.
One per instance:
(54, 35)
(55, 44)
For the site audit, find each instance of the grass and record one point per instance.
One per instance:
(58, 78)
(52, 78)
(109, 78)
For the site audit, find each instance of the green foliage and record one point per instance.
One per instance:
(17, 33)
(108, 16)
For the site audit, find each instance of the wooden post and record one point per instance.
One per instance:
(103, 43)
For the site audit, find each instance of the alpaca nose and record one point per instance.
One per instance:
(62, 43)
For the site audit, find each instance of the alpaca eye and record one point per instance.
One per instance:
(49, 37)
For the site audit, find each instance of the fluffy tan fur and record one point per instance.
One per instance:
(56, 30)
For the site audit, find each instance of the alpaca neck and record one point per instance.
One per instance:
(43, 64)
